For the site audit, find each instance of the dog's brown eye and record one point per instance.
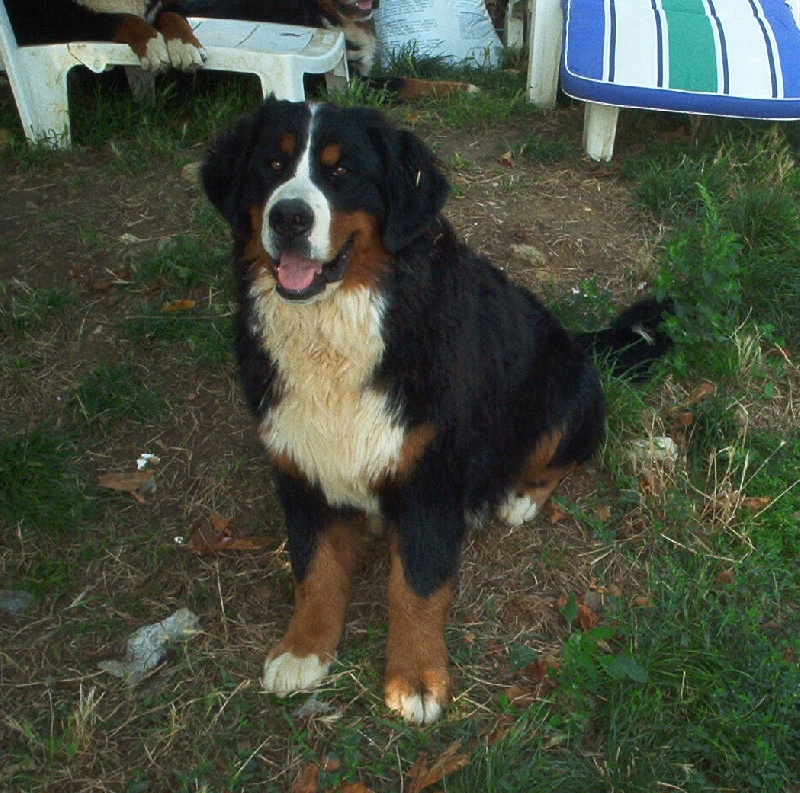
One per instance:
(276, 165)
(339, 171)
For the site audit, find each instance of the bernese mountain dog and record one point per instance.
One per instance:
(396, 377)
(157, 31)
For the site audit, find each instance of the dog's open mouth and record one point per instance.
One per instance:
(358, 9)
(300, 278)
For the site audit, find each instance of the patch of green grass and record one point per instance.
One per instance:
(202, 337)
(24, 309)
(41, 486)
(113, 393)
(186, 263)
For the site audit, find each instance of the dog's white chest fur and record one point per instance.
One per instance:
(338, 430)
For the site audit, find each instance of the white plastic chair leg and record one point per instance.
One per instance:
(600, 130)
(545, 52)
(41, 87)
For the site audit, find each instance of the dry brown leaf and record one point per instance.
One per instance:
(725, 577)
(588, 618)
(353, 787)
(756, 503)
(330, 763)
(421, 777)
(507, 159)
(178, 305)
(703, 391)
(642, 602)
(216, 536)
(539, 670)
(555, 514)
(603, 512)
(126, 483)
(308, 781)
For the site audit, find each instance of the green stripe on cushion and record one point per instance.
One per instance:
(692, 46)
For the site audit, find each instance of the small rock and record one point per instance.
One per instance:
(15, 601)
(527, 254)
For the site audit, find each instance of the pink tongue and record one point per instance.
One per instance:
(365, 5)
(295, 272)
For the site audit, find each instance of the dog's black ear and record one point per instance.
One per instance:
(223, 171)
(416, 188)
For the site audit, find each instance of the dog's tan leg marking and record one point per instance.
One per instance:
(304, 655)
(537, 482)
(185, 50)
(145, 41)
(418, 684)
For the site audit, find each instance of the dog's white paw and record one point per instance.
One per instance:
(156, 58)
(185, 56)
(516, 510)
(416, 708)
(287, 672)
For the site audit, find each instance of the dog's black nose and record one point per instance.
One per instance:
(291, 218)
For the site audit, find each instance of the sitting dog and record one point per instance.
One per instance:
(159, 35)
(394, 374)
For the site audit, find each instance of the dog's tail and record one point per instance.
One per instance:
(635, 340)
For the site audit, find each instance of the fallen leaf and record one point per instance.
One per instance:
(725, 577)
(215, 536)
(588, 618)
(603, 512)
(539, 670)
(521, 696)
(178, 305)
(642, 602)
(126, 483)
(421, 777)
(555, 513)
(507, 159)
(353, 787)
(703, 391)
(308, 781)
(756, 503)
(330, 763)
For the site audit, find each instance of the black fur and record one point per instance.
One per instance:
(466, 350)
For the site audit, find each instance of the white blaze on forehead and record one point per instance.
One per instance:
(301, 187)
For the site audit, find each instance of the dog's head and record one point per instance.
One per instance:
(326, 196)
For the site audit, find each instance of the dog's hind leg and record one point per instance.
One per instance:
(536, 483)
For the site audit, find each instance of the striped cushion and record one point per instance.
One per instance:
(720, 57)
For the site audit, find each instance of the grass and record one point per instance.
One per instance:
(685, 678)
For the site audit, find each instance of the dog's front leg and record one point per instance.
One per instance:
(324, 546)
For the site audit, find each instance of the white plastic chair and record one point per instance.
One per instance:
(280, 55)
(738, 58)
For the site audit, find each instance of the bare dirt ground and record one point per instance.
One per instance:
(73, 224)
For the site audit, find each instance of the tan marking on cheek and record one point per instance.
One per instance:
(331, 154)
(321, 598)
(369, 260)
(136, 33)
(288, 143)
(416, 654)
(174, 26)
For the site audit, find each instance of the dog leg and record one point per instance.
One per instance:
(418, 684)
(304, 655)
(185, 50)
(144, 40)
